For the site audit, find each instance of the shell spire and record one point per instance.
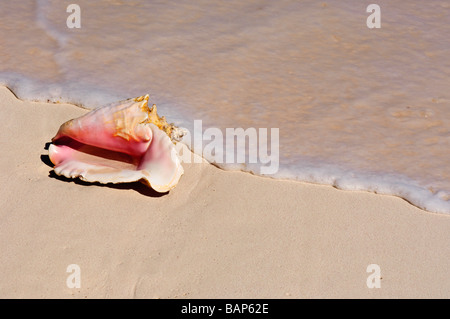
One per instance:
(175, 133)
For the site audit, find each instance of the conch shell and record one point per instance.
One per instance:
(120, 143)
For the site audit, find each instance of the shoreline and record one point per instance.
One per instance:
(412, 193)
(218, 234)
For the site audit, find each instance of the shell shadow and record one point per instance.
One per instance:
(136, 186)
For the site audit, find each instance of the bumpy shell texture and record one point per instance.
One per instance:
(120, 143)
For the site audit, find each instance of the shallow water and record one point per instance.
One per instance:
(357, 108)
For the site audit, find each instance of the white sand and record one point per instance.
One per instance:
(218, 234)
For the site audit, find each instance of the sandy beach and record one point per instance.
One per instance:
(218, 234)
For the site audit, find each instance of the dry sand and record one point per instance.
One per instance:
(218, 234)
